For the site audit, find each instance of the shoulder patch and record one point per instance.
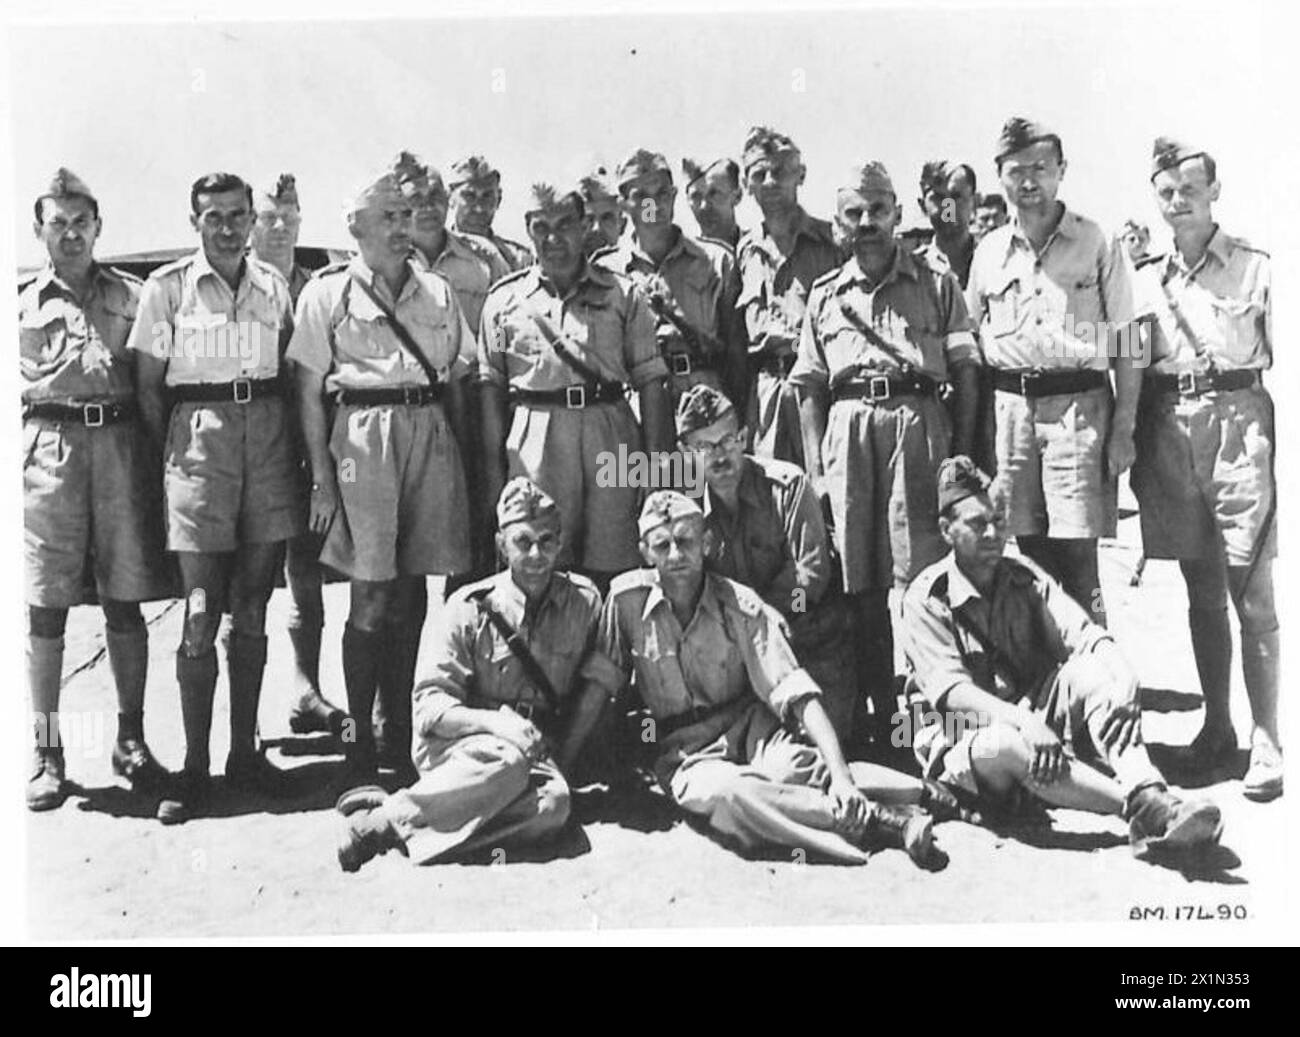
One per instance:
(1147, 261)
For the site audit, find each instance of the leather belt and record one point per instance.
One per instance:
(403, 395)
(574, 397)
(683, 364)
(778, 365)
(92, 414)
(875, 388)
(241, 390)
(1034, 383)
(1193, 383)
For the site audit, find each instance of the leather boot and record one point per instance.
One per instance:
(128, 658)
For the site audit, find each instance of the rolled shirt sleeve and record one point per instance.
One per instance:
(152, 331)
(810, 369)
(959, 343)
(929, 642)
(774, 674)
(310, 344)
(641, 354)
(449, 675)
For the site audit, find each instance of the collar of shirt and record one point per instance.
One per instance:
(960, 589)
(358, 266)
(852, 274)
(1219, 247)
(630, 254)
(1066, 227)
(535, 281)
(748, 494)
(48, 282)
(804, 227)
(254, 275)
(511, 601)
(708, 602)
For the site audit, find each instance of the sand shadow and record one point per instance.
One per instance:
(635, 805)
(1045, 836)
(115, 800)
(321, 744)
(569, 844)
(1168, 700)
(1209, 864)
(1166, 759)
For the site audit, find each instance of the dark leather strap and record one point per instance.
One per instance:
(399, 329)
(532, 668)
(1190, 383)
(596, 382)
(241, 390)
(405, 395)
(90, 413)
(574, 397)
(876, 386)
(1032, 383)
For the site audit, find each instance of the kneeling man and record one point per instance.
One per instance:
(1032, 694)
(514, 692)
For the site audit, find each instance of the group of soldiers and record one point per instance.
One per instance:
(448, 402)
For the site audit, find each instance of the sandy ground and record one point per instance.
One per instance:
(102, 867)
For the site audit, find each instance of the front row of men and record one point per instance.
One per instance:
(382, 347)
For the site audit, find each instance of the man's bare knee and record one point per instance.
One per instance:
(1000, 757)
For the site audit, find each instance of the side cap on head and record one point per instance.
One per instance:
(1167, 153)
(522, 500)
(958, 479)
(1019, 133)
(701, 406)
(664, 507)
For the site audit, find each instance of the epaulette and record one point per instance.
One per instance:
(332, 268)
(174, 267)
(825, 278)
(633, 579)
(125, 275)
(583, 585)
(784, 472)
(746, 598)
(473, 592)
(1245, 245)
(731, 249)
(507, 279)
(24, 285)
(602, 252)
(1146, 261)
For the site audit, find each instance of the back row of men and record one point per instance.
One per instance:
(370, 416)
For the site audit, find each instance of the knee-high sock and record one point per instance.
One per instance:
(128, 657)
(44, 678)
(245, 660)
(1212, 648)
(197, 677)
(361, 663)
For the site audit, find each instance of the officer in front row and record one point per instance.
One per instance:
(1028, 694)
(1204, 469)
(559, 342)
(208, 341)
(385, 340)
(88, 491)
(512, 692)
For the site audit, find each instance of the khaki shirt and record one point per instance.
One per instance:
(466, 270)
(603, 320)
(1050, 309)
(513, 256)
(1225, 301)
(774, 288)
(776, 540)
(76, 350)
(917, 310)
(340, 333)
(958, 266)
(208, 333)
(697, 281)
(470, 663)
(732, 650)
(1032, 623)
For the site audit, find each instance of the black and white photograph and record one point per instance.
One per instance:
(621, 469)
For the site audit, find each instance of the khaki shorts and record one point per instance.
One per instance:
(1204, 475)
(91, 515)
(231, 476)
(1051, 457)
(561, 450)
(773, 419)
(403, 502)
(881, 462)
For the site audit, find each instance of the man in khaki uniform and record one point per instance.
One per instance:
(1205, 447)
(1028, 695)
(208, 341)
(691, 285)
(275, 234)
(742, 737)
(385, 341)
(512, 692)
(88, 488)
(1051, 296)
(778, 264)
(948, 199)
(559, 343)
(713, 192)
(883, 336)
(606, 219)
(475, 187)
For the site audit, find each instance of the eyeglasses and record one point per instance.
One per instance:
(703, 448)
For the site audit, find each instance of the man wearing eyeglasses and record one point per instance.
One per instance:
(778, 264)
(884, 336)
(691, 285)
(208, 342)
(768, 533)
(275, 234)
(88, 492)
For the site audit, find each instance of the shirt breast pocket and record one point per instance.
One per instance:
(1240, 323)
(433, 335)
(42, 339)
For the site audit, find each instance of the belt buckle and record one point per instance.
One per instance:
(525, 709)
(1186, 383)
(92, 415)
(575, 397)
(681, 363)
(410, 395)
(878, 388)
(1027, 378)
(243, 390)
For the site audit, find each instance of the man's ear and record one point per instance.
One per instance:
(1214, 191)
(708, 541)
(1064, 165)
(501, 544)
(645, 553)
(945, 529)
(194, 220)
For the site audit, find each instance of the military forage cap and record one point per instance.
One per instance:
(1018, 134)
(283, 191)
(1170, 154)
(415, 176)
(869, 176)
(642, 163)
(544, 197)
(523, 500)
(701, 406)
(382, 191)
(959, 478)
(692, 170)
(472, 168)
(764, 142)
(597, 186)
(935, 174)
(664, 507)
(66, 183)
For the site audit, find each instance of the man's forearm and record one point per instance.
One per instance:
(586, 712)
(812, 715)
(1128, 380)
(150, 393)
(965, 406)
(462, 721)
(311, 413)
(812, 420)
